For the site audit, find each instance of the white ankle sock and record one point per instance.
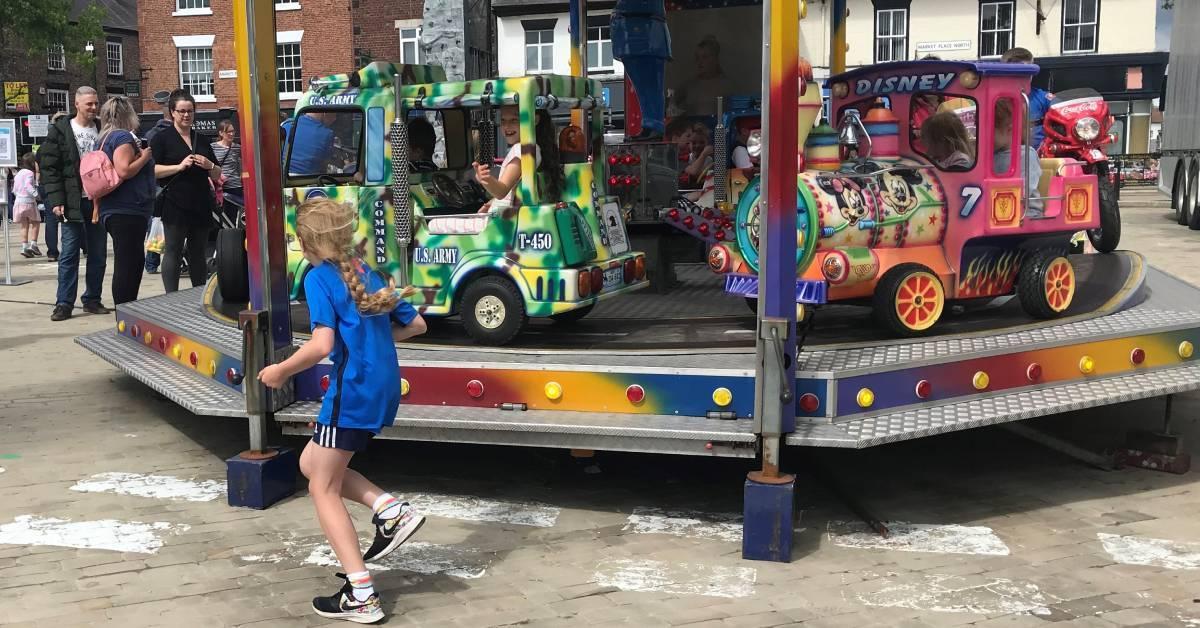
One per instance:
(363, 588)
(386, 506)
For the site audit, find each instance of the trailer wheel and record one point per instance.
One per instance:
(1189, 191)
(493, 311)
(1046, 284)
(233, 273)
(573, 316)
(909, 300)
(1106, 238)
(1179, 189)
(1193, 196)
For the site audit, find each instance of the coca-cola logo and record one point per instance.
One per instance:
(1076, 107)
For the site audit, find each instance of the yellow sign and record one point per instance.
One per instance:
(16, 97)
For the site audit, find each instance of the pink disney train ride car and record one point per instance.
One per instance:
(886, 219)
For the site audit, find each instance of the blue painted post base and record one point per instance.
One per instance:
(767, 526)
(259, 483)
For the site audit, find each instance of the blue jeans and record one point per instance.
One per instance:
(73, 234)
(51, 224)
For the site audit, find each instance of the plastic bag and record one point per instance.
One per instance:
(154, 239)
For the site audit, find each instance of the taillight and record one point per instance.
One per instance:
(639, 266)
(585, 285)
(630, 271)
(597, 280)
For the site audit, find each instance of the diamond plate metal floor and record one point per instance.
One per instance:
(890, 428)
(573, 430)
(199, 395)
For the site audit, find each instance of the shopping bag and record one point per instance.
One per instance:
(154, 239)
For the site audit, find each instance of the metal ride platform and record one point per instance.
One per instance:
(627, 380)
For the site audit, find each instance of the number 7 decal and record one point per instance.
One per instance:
(971, 195)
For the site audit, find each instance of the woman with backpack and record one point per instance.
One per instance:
(125, 210)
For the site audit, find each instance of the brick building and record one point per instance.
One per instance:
(52, 77)
(189, 43)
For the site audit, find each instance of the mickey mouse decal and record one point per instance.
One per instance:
(899, 192)
(850, 199)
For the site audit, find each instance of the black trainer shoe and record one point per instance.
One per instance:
(61, 313)
(96, 308)
(342, 605)
(35, 250)
(392, 533)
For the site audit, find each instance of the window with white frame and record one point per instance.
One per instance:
(56, 57)
(56, 99)
(891, 35)
(191, 5)
(287, 68)
(1080, 25)
(195, 71)
(995, 28)
(599, 49)
(410, 44)
(116, 58)
(539, 51)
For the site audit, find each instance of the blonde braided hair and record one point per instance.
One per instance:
(326, 230)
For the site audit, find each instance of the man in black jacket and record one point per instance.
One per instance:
(67, 140)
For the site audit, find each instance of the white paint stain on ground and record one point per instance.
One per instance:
(1137, 550)
(628, 574)
(105, 534)
(2, 469)
(959, 594)
(919, 537)
(415, 556)
(156, 486)
(466, 508)
(686, 523)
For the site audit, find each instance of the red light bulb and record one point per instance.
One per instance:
(673, 214)
(703, 228)
(324, 383)
(475, 388)
(614, 180)
(1034, 372)
(688, 222)
(720, 234)
(809, 403)
(924, 389)
(635, 394)
(613, 159)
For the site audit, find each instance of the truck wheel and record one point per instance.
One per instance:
(1108, 236)
(233, 273)
(909, 300)
(1187, 199)
(573, 316)
(492, 310)
(1179, 189)
(1046, 284)
(1193, 196)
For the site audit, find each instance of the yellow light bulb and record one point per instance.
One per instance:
(177, 351)
(147, 338)
(554, 391)
(1186, 349)
(981, 380)
(722, 396)
(121, 327)
(865, 398)
(212, 367)
(1087, 364)
(404, 387)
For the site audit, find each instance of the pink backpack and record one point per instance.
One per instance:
(97, 172)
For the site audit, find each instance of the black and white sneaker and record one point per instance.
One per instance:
(392, 533)
(342, 605)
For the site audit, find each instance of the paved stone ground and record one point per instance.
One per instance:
(1027, 548)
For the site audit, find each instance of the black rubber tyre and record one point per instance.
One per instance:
(492, 310)
(1031, 284)
(573, 316)
(233, 271)
(1186, 202)
(1193, 206)
(1108, 236)
(1179, 189)
(887, 293)
(752, 303)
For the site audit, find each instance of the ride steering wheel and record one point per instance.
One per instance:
(326, 180)
(448, 192)
(748, 229)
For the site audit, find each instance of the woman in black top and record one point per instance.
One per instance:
(184, 165)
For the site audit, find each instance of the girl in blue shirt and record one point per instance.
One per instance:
(351, 312)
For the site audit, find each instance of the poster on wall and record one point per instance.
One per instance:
(8, 143)
(717, 52)
(16, 96)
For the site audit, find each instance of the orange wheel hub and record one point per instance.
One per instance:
(1060, 284)
(920, 300)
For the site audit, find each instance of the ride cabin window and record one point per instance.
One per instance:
(324, 143)
(438, 140)
(942, 128)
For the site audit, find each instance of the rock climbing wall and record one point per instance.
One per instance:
(443, 35)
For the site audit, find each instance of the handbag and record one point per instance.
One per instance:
(161, 200)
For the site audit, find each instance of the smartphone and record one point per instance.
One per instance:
(142, 143)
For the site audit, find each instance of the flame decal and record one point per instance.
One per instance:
(992, 273)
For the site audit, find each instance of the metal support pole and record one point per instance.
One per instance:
(768, 494)
(837, 37)
(577, 11)
(8, 280)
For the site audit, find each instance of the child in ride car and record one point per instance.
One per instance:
(946, 142)
(1002, 158)
(546, 159)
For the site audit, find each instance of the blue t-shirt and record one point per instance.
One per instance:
(364, 387)
(312, 146)
(1039, 104)
(135, 196)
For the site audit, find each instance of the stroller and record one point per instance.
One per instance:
(230, 214)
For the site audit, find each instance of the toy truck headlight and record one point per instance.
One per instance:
(754, 143)
(1087, 129)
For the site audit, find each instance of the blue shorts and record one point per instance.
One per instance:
(344, 438)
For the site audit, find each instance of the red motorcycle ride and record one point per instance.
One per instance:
(1076, 126)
